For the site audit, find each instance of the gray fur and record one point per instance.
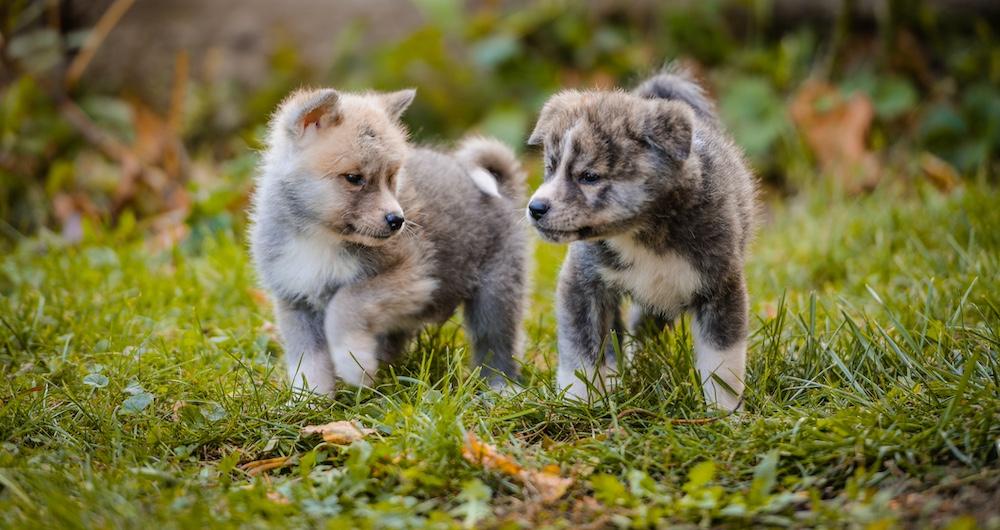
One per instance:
(348, 292)
(675, 83)
(666, 221)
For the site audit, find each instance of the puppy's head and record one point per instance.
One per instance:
(608, 156)
(336, 158)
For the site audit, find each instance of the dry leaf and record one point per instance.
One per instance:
(941, 173)
(260, 466)
(277, 498)
(836, 128)
(175, 414)
(547, 482)
(339, 432)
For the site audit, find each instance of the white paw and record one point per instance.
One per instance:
(354, 358)
(311, 375)
(718, 395)
(727, 364)
(586, 385)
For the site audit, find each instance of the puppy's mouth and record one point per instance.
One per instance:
(363, 236)
(565, 236)
(350, 229)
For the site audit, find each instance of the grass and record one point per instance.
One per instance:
(135, 381)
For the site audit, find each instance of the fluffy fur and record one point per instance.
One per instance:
(352, 281)
(657, 204)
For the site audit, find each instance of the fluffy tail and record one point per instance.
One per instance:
(676, 83)
(496, 170)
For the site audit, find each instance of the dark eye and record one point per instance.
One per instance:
(589, 177)
(550, 165)
(354, 178)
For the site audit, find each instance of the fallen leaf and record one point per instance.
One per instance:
(257, 467)
(942, 175)
(175, 414)
(339, 432)
(277, 498)
(835, 128)
(547, 481)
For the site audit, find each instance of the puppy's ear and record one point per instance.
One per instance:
(541, 127)
(555, 106)
(319, 110)
(395, 103)
(669, 130)
(538, 135)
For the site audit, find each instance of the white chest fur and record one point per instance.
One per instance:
(663, 281)
(310, 263)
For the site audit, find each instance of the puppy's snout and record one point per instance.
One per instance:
(394, 220)
(538, 208)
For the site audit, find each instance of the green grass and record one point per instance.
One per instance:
(134, 382)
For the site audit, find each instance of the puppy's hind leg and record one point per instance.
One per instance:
(493, 322)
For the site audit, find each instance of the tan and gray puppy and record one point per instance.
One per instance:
(658, 205)
(362, 239)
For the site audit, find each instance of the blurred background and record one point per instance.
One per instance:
(145, 116)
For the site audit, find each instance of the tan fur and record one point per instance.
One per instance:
(350, 286)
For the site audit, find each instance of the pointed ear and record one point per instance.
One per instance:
(555, 106)
(395, 103)
(669, 130)
(320, 109)
(538, 135)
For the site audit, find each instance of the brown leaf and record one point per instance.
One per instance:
(339, 432)
(941, 173)
(547, 482)
(260, 466)
(835, 128)
(175, 414)
(277, 498)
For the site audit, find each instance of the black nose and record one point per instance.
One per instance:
(538, 208)
(395, 221)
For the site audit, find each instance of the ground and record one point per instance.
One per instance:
(138, 381)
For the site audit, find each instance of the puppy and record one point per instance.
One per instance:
(361, 239)
(657, 204)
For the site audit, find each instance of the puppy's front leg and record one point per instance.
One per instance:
(352, 344)
(720, 342)
(586, 311)
(306, 357)
(362, 317)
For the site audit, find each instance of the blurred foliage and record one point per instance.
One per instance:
(932, 81)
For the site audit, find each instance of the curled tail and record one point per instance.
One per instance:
(677, 84)
(496, 170)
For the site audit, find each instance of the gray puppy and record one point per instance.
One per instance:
(361, 239)
(659, 205)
